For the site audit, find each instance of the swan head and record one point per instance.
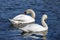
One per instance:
(30, 11)
(44, 16)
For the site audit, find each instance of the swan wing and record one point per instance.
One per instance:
(34, 28)
(24, 18)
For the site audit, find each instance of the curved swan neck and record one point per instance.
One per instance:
(43, 22)
(31, 12)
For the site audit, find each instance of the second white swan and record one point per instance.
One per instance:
(36, 27)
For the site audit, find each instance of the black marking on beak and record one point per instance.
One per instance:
(25, 12)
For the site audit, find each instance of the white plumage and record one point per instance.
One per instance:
(33, 28)
(23, 19)
(36, 27)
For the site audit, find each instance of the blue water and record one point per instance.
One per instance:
(11, 8)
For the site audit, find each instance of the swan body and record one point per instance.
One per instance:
(33, 28)
(36, 27)
(23, 18)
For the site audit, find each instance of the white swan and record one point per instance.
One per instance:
(22, 18)
(36, 27)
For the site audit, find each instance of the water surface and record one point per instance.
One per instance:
(11, 8)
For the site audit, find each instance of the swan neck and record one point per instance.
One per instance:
(43, 22)
(32, 14)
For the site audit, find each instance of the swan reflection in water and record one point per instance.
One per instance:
(16, 34)
(40, 35)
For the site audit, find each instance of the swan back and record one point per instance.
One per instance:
(33, 28)
(22, 18)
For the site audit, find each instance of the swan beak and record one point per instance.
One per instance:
(25, 12)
